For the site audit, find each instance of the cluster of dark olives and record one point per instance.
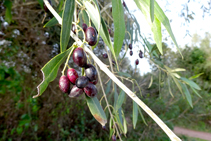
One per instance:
(131, 53)
(81, 84)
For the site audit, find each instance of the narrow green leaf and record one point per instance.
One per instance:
(8, 14)
(41, 3)
(178, 69)
(187, 94)
(50, 71)
(155, 26)
(124, 74)
(119, 122)
(152, 10)
(135, 114)
(158, 12)
(196, 76)
(124, 124)
(120, 100)
(119, 25)
(177, 83)
(139, 109)
(85, 17)
(108, 87)
(67, 17)
(53, 21)
(176, 75)
(196, 92)
(151, 80)
(96, 110)
(191, 83)
(170, 87)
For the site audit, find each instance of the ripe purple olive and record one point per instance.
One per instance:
(82, 81)
(90, 90)
(72, 75)
(79, 57)
(130, 46)
(141, 54)
(91, 72)
(124, 4)
(64, 84)
(113, 138)
(113, 63)
(84, 26)
(91, 36)
(94, 81)
(105, 55)
(45, 7)
(75, 92)
(109, 31)
(137, 62)
(131, 53)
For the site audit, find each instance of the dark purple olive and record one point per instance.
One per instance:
(45, 7)
(124, 4)
(113, 138)
(75, 92)
(79, 57)
(109, 31)
(91, 72)
(130, 46)
(141, 54)
(82, 81)
(131, 53)
(113, 63)
(91, 36)
(94, 81)
(105, 55)
(137, 62)
(84, 26)
(72, 75)
(64, 84)
(90, 90)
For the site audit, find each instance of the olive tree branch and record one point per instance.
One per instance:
(104, 68)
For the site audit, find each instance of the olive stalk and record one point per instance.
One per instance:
(104, 68)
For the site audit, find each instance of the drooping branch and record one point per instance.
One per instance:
(104, 68)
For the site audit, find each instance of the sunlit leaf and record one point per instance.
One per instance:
(178, 69)
(135, 114)
(67, 17)
(96, 110)
(158, 12)
(170, 87)
(50, 71)
(176, 75)
(191, 83)
(152, 10)
(151, 80)
(187, 94)
(53, 21)
(120, 100)
(119, 25)
(196, 76)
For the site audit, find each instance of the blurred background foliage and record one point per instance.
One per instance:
(25, 46)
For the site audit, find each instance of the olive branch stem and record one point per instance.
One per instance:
(104, 68)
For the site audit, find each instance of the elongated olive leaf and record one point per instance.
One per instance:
(139, 109)
(135, 114)
(41, 3)
(67, 17)
(124, 125)
(124, 74)
(96, 110)
(119, 25)
(85, 17)
(196, 76)
(191, 83)
(152, 10)
(151, 80)
(108, 87)
(53, 21)
(158, 12)
(94, 15)
(120, 100)
(50, 71)
(8, 14)
(196, 92)
(187, 94)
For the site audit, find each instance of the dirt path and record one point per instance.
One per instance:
(192, 133)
